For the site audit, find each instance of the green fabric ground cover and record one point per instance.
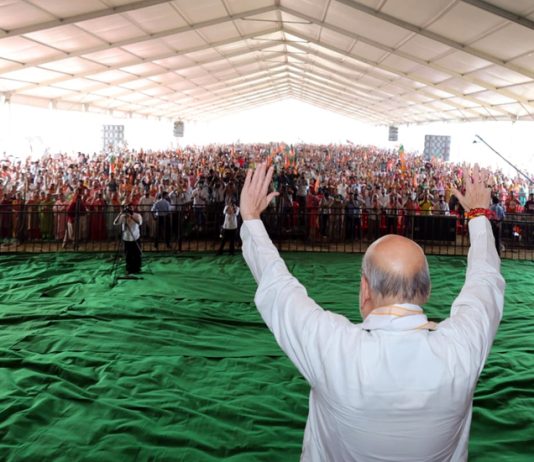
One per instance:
(179, 365)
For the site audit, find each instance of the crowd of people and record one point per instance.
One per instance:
(335, 191)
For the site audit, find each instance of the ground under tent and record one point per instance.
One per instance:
(179, 365)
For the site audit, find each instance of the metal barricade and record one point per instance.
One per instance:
(47, 228)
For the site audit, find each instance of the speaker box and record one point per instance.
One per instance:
(178, 128)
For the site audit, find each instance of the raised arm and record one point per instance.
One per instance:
(254, 200)
(300, 326)
(477, 311)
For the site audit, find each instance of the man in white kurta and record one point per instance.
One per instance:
(395, 387)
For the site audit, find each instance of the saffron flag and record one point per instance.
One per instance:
(402, 157)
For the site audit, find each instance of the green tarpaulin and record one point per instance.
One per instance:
(179, 365)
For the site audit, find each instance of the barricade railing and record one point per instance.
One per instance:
(187, 228)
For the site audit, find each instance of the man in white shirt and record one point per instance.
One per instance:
(131, 223)
(145, 205)
(396, 387)
(161, 211)
(200, 200)
(229, 228)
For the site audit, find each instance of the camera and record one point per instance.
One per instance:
(127, 210)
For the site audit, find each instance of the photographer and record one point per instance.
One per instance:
(131, 223)
(229, 228)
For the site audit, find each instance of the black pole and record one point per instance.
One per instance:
(530, 180)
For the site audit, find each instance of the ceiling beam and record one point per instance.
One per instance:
(145, 38)
(220, 83)
(149, 103)
(247, 89)
(257, 76)
(397, 82)
(242, 79)
(406, 117)
(334, 96)
(338, 82)
(493, 9)
(384, 110)
(237, 96)
(150, 98)
(436, 37)
(408, 56)
(336, 75)
(250, 104)
(80, 18)
(198, 89)
(310, 99)
(346, 93)
(145, 61)
(335, 103)
(212, 98)
(337, 96)
(406, 75)
(239, 99)
(347, 77)
(215, 115)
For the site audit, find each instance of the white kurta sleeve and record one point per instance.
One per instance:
(477, 311)
(301, 327)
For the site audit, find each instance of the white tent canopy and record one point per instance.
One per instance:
(378, 61)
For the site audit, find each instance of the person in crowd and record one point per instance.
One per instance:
(200, 201)
(161, 211)
(512, 204)
(230, 192)
(374, 215)
(337, 169)
(529, 204)
(442, 206)
(46, 215)
(496, 222)
(302, 188)
(336, 226)
(396, 386)
(352, 216)
(60, 217)
(130, 223)
(425, 205)
(20, 213)
(76, 210)
(33, 231)
(229, 228)
(325, 209)
(145, 206)
(6, 213)
(97, 217)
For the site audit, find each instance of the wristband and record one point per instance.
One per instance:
(478, 212)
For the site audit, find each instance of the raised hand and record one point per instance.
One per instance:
(254, 195)
(477, 190)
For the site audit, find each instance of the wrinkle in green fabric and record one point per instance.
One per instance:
(180, 366)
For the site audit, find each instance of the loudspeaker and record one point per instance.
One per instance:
(178, 128)
(434, 228)
(393, 133)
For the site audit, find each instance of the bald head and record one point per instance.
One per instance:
(396, 271)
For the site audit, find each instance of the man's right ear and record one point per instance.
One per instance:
(366, 303)
(365, 292)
